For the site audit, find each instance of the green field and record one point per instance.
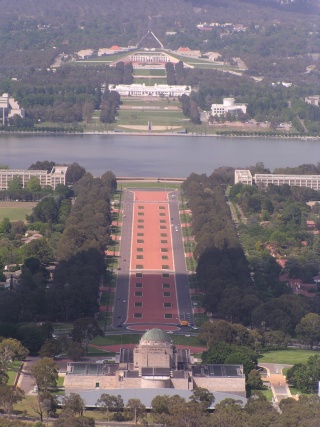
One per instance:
(149, 72)
(142, 117)
(16, 211)
(288, 357)
(12, 373)
(150, 81)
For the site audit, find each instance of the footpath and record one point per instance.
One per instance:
(277, 381)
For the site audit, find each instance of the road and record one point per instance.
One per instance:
(122, 289)
(181, 274)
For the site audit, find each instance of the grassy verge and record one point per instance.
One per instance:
(288, 357)
(12, 373)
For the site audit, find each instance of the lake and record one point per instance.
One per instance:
(155, 156)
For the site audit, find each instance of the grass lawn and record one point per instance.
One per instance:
(289, 356)
(116, 339)
(150, 81)
(142, 117)
(267, 392)
(26, 407)
(149, 72)
(16, 211)
(12, 373)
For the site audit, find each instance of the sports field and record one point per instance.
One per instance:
(16, 211)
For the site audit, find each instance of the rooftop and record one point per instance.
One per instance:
(156, 335)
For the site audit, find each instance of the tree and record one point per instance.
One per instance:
(203, 396)
(73, 404)
(45, 165)
(33, 184)
(46, 404)
(254, 381)
(84, 330)
(15, 184)
(10, 395)
(305, 377)
(136, 409)
(308, 329)
(74, 173)
(76, 351)
(10, 350)
(45, 374)
(109, 403)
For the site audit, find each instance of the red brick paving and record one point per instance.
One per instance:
(150, 252)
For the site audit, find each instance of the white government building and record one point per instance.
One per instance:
(244, 176)
(228, 106)
(51, 179)
(9, 107)
(156, 90)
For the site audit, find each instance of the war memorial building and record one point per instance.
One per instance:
(154, 367)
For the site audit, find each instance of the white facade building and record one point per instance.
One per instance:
(156, 90)
(309, 181)
(149, 57)
(242, 176)
(51, 179)
(9, 107)
(228, 106)
(265, 179)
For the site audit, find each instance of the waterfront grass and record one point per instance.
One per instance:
(142, 117)
(16, 211)
(289, 356)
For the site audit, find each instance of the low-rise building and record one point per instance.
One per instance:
(313, 100)
(242, 176)
(156, 90)
(265, 179)
(51, 179)
(9, 107)
(228, 106)
(155, 364)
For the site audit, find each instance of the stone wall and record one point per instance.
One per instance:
(222, 384)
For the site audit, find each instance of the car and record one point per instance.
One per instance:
(119, 317)
(124, 300)
(119, 268)
(170, 332)
(195, 328)
(120, 325)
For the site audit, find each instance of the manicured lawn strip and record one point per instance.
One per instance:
(186, 231)
(12, 373)
(191, 264)
(191, 341)
(151, 81)
(116, 339)
(149, 72)
(289, 356)
(185, 217)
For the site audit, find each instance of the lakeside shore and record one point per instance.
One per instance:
(192, 134)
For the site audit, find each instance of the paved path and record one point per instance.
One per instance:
(277, 380)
